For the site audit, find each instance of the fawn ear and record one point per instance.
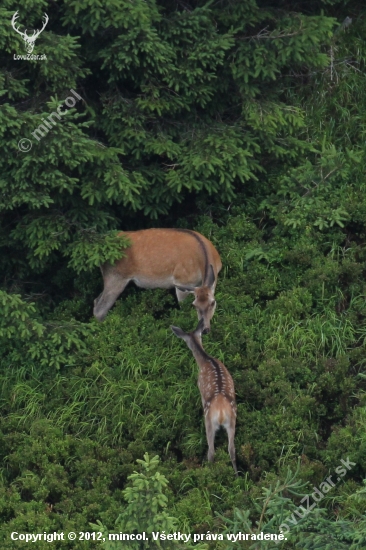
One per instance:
(199, 328)
(210, 281)
(178, 331)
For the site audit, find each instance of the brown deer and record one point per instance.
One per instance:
(217, 392)
(165, 258)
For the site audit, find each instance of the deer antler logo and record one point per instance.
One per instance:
(29, 40)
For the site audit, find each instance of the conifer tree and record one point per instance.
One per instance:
(177, 98)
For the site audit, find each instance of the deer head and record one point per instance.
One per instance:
(29, 40)
(204, 299)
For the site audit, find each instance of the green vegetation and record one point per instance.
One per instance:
(245, 121)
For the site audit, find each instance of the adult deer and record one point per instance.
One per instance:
(217, 392)
(165, 258)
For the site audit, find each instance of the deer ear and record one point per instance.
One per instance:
(178, 331)
(210, 281)
(200, 326)
(185, 288)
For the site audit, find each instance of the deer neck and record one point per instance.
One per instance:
(198, 352)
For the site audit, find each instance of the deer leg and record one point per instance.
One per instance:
(210, 436)
(112, 289)
(231, 446)
(97, 299)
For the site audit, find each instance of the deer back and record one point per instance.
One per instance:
(168, 257)
(213, 380)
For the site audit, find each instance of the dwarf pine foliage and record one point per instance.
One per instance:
(146, 513)
(175, 100)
